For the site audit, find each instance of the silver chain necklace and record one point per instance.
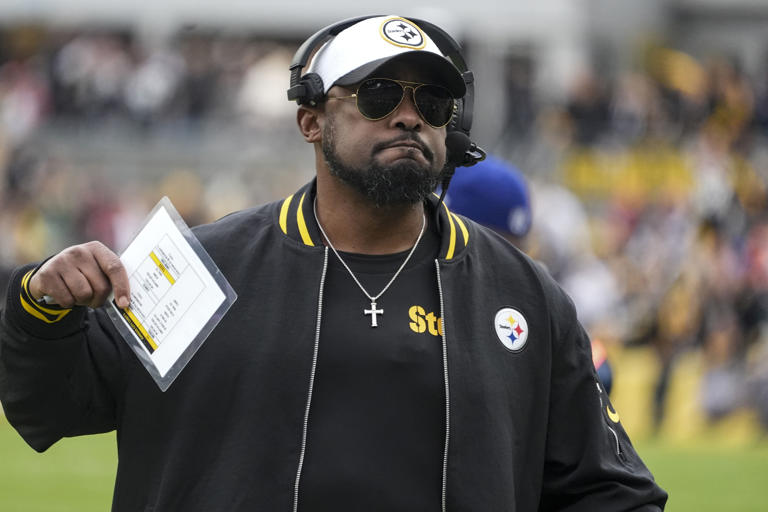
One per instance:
(373, 311)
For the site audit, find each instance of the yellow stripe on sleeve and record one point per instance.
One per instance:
(40, 316)
(25, 280)
(47, 315)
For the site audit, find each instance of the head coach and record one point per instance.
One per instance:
(384, 353)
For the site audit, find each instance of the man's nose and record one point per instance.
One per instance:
(406, 114)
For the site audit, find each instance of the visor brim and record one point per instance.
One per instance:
(439, 70)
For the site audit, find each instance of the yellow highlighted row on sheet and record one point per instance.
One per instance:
(139, 329)
(162, 267)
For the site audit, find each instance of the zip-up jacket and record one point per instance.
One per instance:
(528, 427)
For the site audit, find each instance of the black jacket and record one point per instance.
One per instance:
(529, 429)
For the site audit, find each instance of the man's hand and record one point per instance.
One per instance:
(82, 275)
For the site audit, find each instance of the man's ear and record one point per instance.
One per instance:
(308, 119)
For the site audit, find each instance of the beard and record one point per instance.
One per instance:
(404, 183)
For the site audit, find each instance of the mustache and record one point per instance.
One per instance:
(407, 137)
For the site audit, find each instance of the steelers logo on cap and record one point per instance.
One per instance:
(403, 33)
(511, 328)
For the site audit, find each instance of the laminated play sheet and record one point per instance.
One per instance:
(178, 295)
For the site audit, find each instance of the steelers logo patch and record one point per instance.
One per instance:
(511, 329)
(401, 32)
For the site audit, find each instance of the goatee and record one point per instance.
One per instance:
(406, 182)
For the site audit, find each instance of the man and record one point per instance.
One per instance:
(376, 358)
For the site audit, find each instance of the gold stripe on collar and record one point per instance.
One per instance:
(302, 224)
(452, 242)
(463, 227)
(284, 214)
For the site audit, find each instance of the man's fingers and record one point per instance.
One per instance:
(95, 289)
(80, 288)
(54, 286)
(113, 268)
(82, 275)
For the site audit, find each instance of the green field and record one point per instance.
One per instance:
(74, 475)
(710, 477)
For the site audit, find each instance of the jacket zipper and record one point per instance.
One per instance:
(305, 427)
(603, 405)
(447, 390)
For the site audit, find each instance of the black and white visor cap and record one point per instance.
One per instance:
(364, 48)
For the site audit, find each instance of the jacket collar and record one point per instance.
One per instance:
(296, 219)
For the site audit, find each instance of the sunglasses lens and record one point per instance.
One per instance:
(377, 98)
(435, 104)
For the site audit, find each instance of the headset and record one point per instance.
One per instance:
(309, 89)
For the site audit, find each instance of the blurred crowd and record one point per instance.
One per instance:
(95, 76)
(649, 185)
(106, 87)
(651, 208)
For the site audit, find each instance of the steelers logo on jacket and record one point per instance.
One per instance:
(511, 328)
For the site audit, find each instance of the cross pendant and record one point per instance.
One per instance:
(373, 312)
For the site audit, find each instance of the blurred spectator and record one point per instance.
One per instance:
(23, 99)
(731, 101)
(520, 113)
(758, 381)
(88, 75)
(602, 364)
(761, 100)
(153, 85)
(194, 78)
(493, 193)
(5, 275)
(588, 108)
(264, 79)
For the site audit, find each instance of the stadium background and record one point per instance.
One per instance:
(641, 126)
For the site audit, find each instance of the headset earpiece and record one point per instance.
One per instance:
(464, 107)
(457, 120)
(308, 91)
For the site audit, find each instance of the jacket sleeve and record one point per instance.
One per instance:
(590, 462)
(58, 368)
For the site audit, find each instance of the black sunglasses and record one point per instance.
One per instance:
(376, 98)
